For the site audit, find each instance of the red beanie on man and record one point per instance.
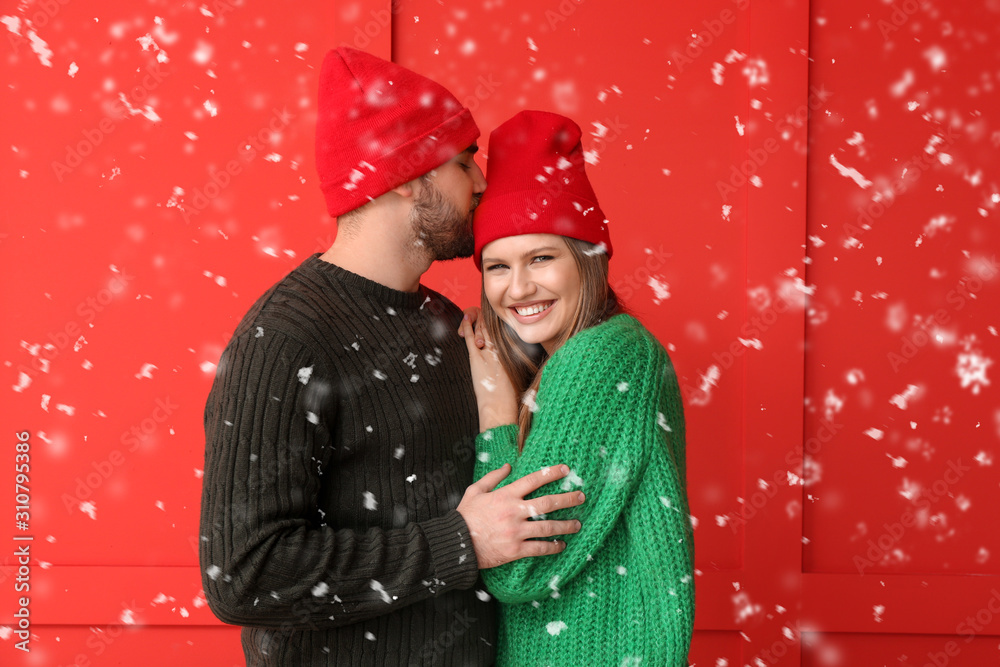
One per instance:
(536, 184)
(380, 125)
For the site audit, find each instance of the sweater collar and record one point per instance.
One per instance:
(375, 291)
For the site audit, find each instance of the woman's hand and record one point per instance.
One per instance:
(495, 393)
(473, 313)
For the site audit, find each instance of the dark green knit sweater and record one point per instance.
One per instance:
(622, 593)
(339, 441)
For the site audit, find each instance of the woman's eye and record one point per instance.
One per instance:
(491, 267)
(541, 258)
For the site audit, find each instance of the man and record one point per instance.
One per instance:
(338, 524)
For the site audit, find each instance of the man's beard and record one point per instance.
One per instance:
(438, 225)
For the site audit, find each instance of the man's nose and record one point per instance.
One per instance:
(478, 179)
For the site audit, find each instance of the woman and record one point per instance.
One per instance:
(568, 377)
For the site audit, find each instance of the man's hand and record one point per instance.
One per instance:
(500, 520)
(473, 313)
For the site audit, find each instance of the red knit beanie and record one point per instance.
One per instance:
(380, 125)
(536, 184)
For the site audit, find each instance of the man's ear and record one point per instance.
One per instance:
(407, 189)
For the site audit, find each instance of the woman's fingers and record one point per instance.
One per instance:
(465, 331)
(481, 331)
(472, 314)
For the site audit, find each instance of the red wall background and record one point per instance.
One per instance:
(804, 200)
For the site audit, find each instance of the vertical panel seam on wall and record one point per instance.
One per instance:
(772, 545)
(392, 28)
(745, 491)
(805, 278)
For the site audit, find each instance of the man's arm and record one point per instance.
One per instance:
(267, 558)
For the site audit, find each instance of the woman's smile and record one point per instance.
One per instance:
(527, 313)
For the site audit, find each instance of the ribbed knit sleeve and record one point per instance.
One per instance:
(598, 413)
(268, 557)
(622, 592)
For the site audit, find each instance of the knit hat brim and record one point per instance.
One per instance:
(381, 125)
(536, 183)
(368, 179)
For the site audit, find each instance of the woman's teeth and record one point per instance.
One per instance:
(533, 310)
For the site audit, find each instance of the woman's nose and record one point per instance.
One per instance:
(521, 285)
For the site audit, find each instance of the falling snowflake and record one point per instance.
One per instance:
(661, 290)
(901, 400)
(939, 223)
(850, 172)
(529, 400)
(897, 461)
(90, 509)
(555, 627)
(661, 421)
(971, 367)
(718, 75)
(832, 404)
(377, 587)
(709, 379)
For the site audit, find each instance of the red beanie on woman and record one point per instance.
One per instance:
(536, 184)
(379, 125)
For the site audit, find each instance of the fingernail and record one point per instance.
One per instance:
(465, 318)
(582, 497)
(564, 470)
(579, 525)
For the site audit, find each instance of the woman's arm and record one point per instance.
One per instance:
(599, 405)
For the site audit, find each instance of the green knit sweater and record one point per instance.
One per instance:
(622, 592)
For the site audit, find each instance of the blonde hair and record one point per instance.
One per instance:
(524, 362)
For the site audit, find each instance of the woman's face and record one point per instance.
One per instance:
(533, 284)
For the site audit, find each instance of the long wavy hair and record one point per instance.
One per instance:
(524, 362)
